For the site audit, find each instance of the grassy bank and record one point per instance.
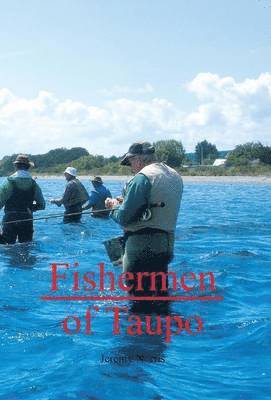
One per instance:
(258, 170)
(117, 170)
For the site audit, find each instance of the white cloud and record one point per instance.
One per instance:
(232, 112)
(228, 113)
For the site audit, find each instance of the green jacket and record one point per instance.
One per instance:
(23, 181)
(135, 202)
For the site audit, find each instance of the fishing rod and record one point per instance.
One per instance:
(58, 216)
(50, 216)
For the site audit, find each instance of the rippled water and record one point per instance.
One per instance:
(221, 228)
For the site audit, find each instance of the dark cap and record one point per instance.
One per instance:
(23, 159)
(137, 149)
(97, 179)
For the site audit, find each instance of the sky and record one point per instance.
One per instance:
(103, 74)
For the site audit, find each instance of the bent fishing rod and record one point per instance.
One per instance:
(50, 216)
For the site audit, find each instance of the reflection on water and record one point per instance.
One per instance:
(145, 348)
(20, 255)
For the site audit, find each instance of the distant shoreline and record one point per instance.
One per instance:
(187, 179)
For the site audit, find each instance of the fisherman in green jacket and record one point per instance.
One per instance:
(74, 197)
(148, 213)
(21, 196)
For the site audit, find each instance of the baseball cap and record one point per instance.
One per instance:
(137, 149)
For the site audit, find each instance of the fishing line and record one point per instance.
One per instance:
(50, 216)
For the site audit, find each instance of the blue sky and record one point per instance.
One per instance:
(102, 74)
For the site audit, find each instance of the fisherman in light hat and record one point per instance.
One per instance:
(74, 197)
(21, 196)
(97, 198)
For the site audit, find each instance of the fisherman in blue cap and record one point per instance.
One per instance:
(148, 213)
(21, 196)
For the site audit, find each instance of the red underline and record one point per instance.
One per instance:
(138, 298)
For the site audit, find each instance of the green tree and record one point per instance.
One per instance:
(113, 159)
(171, 152)
(265, 155)
(205, 151)
(43, 162)
(244, 153)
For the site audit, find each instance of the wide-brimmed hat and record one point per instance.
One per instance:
(23, 159)
(96, 179)
(137, 149)
(71, 171)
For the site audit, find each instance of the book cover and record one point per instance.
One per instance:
(81, 83)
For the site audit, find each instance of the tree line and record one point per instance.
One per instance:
(170, 151)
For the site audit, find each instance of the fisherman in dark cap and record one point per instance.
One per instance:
(21, 196)
(148, 213)
(97, 198)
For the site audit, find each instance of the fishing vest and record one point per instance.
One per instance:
(166, 187)
(20, 200)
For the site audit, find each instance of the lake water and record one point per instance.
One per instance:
(221, 228)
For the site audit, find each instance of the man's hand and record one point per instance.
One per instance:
(56, 201)
(111, 203)
(120, 199)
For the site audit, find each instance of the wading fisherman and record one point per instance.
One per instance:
(74, 197)
(148, 228)
(21, 196)
(97, 198)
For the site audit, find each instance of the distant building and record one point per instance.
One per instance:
(219, 162)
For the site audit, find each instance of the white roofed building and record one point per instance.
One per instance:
(219, 162)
